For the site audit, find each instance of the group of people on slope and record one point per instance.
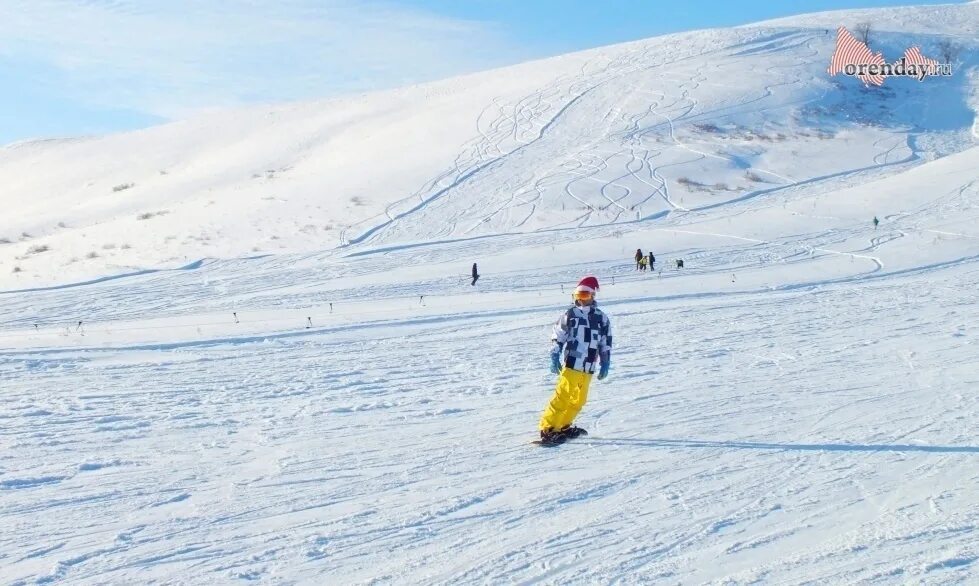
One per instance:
(644, 262)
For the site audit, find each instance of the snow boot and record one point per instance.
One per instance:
(549, 437)
(573, 431)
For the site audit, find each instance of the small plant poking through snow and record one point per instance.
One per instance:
(698, 186)
(710, 128)
(38, 249)
(148, 215)
(949, 51)
(18, 270)
(5, 241)
(92, 254)
(123, 187)
(863, 31)
(693, 185)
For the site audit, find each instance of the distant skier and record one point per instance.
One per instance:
(475, 275)
(652, 261)
(638, 258)
(582, 341)
(876, 221)
(642, 264)
(679, 263)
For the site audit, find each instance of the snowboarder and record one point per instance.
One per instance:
(652, 261)
(876, 221)
(475, 275)
(638, 257)
(679, 263)
(582, 342)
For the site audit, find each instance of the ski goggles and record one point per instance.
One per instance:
(583, 295)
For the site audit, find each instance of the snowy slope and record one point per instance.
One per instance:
(612, 135)
(797, 405)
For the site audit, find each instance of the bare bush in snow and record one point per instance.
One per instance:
(863, 31)
(148, 215)
(949, 51)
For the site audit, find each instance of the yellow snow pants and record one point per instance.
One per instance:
(570, 395)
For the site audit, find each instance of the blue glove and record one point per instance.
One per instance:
(555, 362)
(603, 371)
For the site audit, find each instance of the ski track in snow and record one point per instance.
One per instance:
(768, 438)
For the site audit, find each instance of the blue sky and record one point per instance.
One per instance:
(70, 67)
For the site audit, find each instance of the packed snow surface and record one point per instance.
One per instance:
(245, 348)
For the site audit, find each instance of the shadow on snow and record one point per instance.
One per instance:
(671, 443)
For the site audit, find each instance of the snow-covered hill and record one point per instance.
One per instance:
(608, 136)
(245, 348)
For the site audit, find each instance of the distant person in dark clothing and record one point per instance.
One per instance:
(639, 256)
(652, 261)
(679, 263)
(876, 221)
(475, 275)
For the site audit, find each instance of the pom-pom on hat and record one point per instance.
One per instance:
(589, 284)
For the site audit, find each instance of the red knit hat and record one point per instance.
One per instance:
(589, 284)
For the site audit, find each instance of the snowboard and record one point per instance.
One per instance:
(548, 444)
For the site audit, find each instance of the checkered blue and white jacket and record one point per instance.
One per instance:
(583, 335)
